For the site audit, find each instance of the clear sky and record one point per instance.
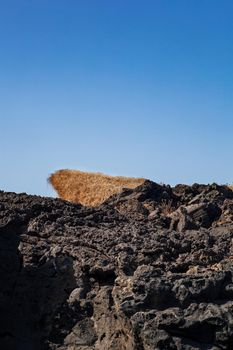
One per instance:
(125, 87)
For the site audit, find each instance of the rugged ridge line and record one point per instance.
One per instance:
(151, 268)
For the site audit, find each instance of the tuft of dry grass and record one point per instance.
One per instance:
(89, 189)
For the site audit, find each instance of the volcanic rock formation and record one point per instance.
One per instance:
(151, 268)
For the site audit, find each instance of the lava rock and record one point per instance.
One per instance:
(151, 268)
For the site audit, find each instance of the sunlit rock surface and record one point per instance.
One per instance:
(151, 268)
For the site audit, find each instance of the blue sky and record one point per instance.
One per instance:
(125, 87)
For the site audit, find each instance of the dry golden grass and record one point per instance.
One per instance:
(89, 189)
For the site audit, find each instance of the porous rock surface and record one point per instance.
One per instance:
(151, 268)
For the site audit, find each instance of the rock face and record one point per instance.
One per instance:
(151, 268)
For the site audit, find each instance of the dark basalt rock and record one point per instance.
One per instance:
(151, 268)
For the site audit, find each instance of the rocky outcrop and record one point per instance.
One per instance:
(151, 268)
